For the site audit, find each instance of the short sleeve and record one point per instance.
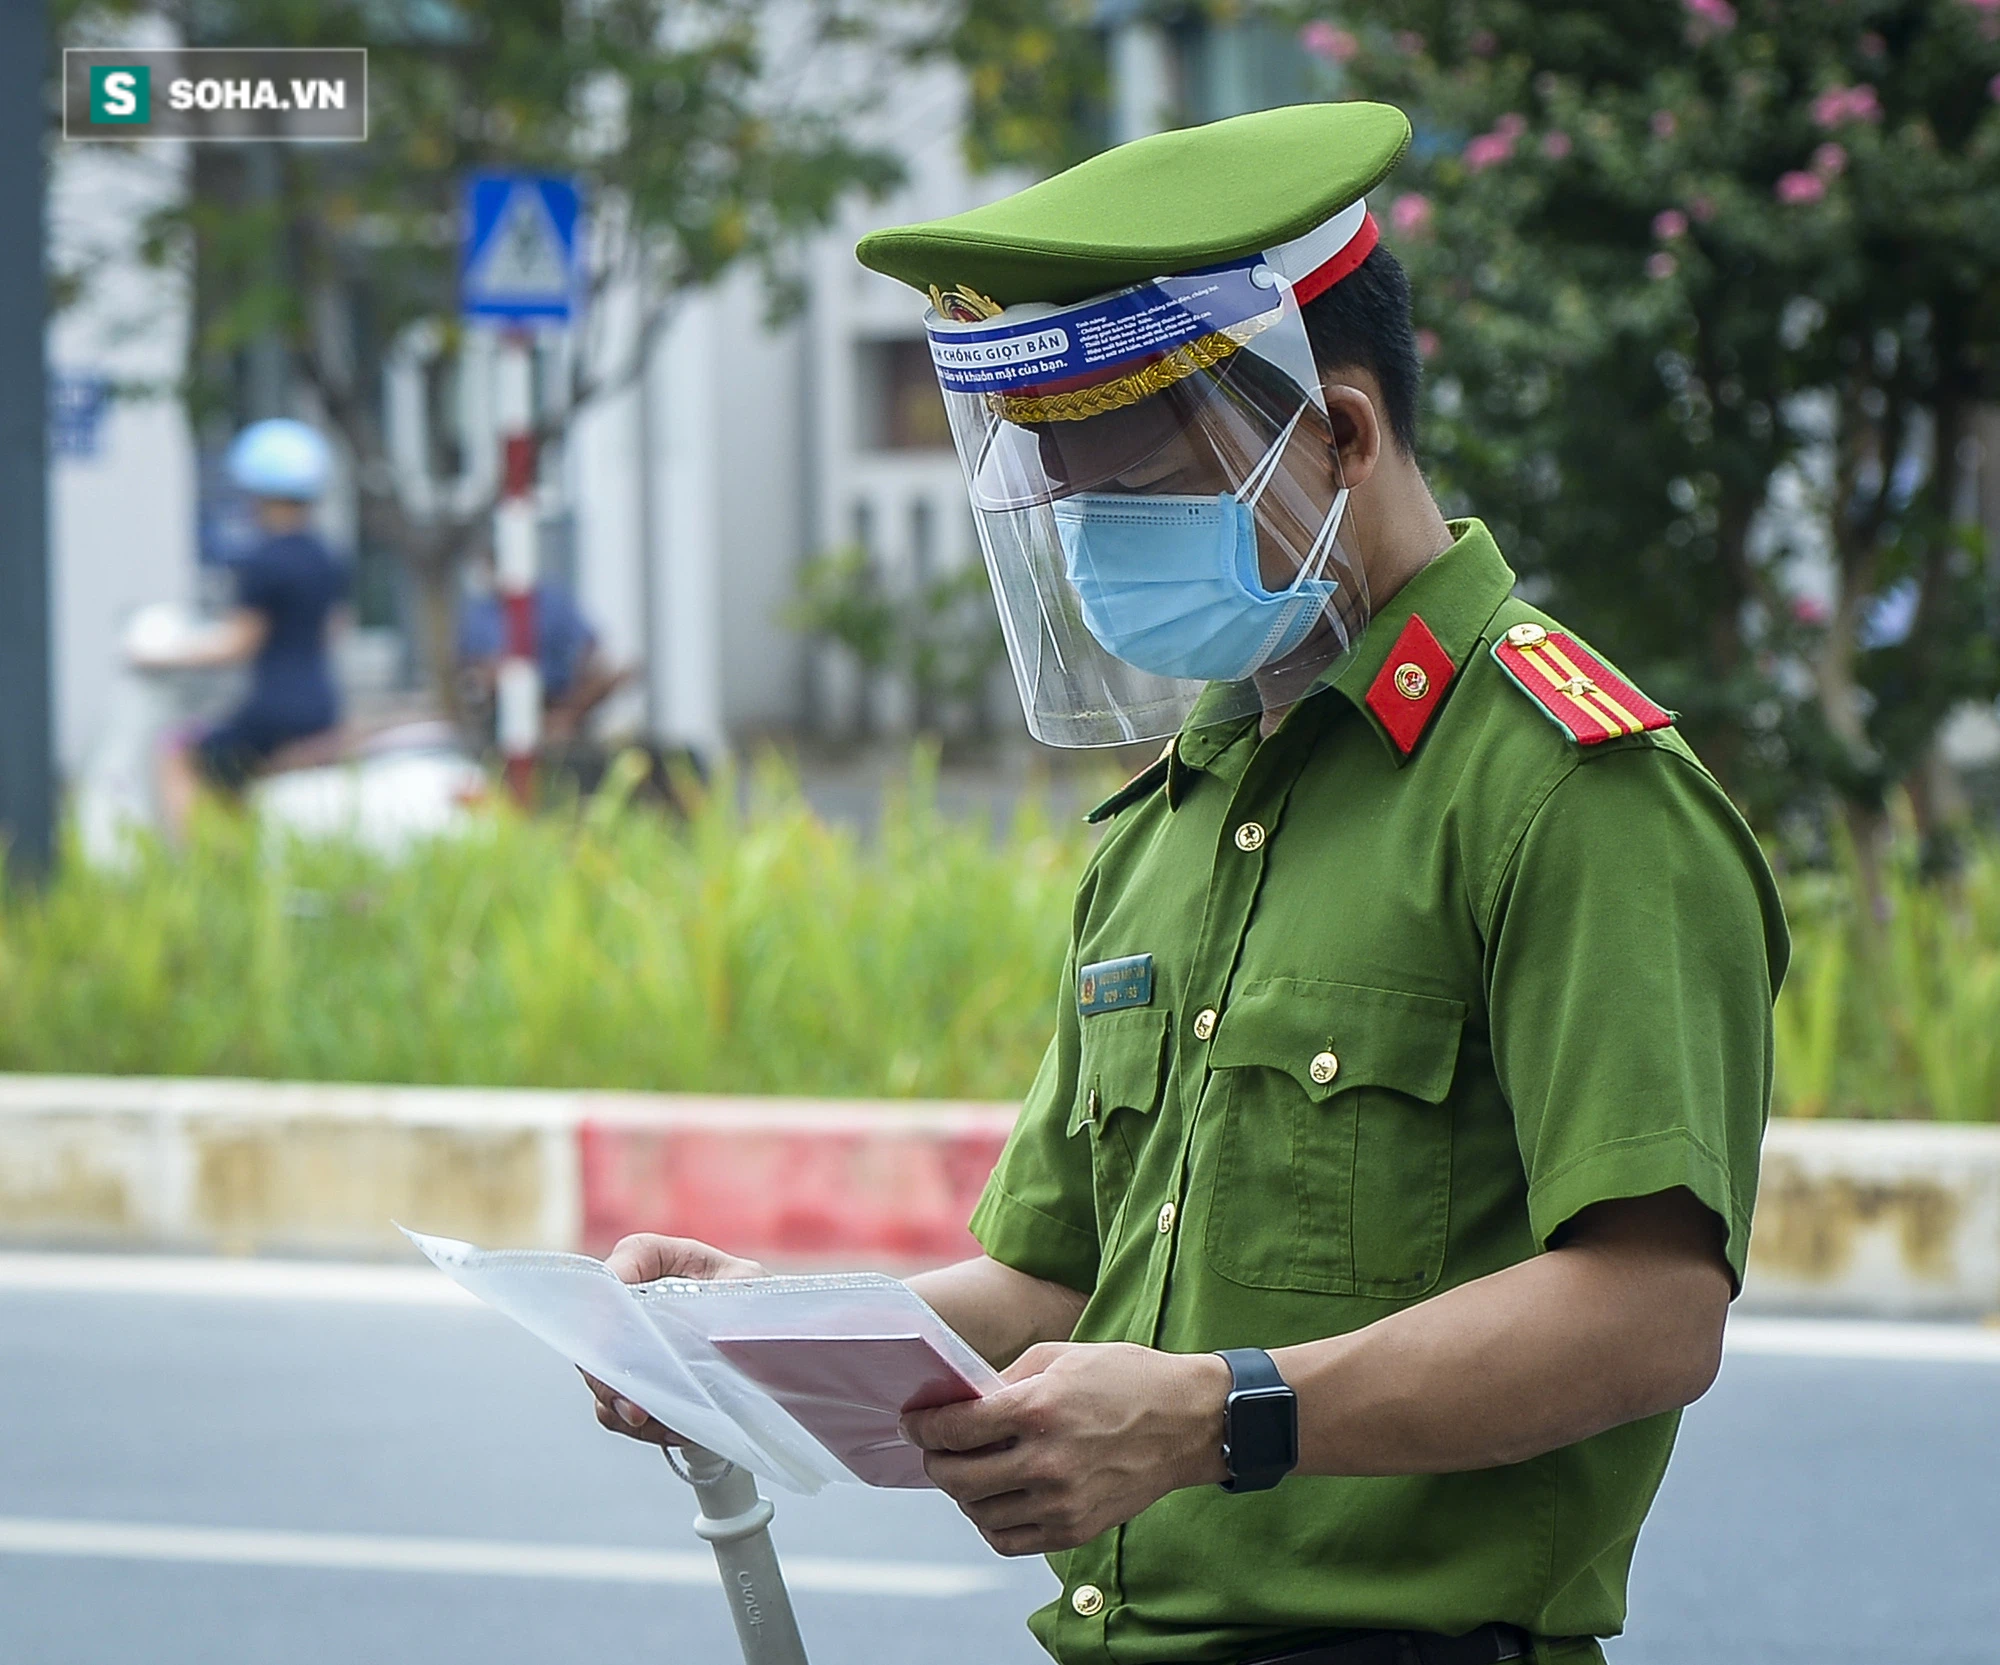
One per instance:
(1634, 950)
(1037, 1213)
(260, 582)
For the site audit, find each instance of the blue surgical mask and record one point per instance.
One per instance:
(1171, 584)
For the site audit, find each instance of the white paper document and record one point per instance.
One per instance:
(800, 1380)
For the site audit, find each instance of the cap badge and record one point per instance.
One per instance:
(963, 304)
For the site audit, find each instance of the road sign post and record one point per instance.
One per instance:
(27, 765)
(517, 269)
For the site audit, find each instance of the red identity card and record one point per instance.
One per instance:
(847, 1392)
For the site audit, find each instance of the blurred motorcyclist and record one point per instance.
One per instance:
(289, 589)
(576, 676)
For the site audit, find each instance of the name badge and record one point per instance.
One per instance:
(1112, 985)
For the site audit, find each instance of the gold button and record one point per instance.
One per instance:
(1324, 1067)
(1526, 635)
(1204, 1023)
(1088, 1600)
(1249, 836)
(1166, 1218)
(1412, 682)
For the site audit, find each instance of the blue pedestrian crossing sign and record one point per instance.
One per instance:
(518, 257)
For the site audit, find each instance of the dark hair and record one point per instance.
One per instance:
(1363, 323)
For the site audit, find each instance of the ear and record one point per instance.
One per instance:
(1357, 431)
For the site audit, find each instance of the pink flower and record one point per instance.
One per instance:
(1487, 150)
(1669, 224)
(1793, 188)
(1661, 265)
(1484, 43)
(1809, 609)
(1512, 125)
(1829, 161)
(1664, 124)
(1410, 214)
(1323, 40)
(1718, 15)
(1427, 343)
(1556, 144)
(1838, 105)
(1702, 208)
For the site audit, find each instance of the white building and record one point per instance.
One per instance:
(121, 463)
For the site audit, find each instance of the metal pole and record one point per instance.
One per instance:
(518, 695)
(268, 359)
(737, 1524)
(649, 536)
(27, 764)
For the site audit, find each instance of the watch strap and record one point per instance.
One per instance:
(1250, 1368)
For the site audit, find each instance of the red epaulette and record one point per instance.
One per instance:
(1578, 692)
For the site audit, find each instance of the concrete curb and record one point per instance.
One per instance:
(1880, 1219)
(1886, 1219)
(303, 1168)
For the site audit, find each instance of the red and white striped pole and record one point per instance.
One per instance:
(518, 691)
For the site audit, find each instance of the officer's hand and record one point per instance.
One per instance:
(640, 1259)
(1082, 1438)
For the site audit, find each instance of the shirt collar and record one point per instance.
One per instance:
(1457, 593)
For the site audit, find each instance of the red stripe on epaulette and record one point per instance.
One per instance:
(1407, 690)
(1576, 690)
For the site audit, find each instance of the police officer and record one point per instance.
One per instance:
(1380, 1197)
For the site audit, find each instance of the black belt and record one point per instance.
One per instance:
(1488, 1645)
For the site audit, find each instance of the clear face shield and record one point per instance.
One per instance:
(1159, 500)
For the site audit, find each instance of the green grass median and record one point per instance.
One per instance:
(753, 948)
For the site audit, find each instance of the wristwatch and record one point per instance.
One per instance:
(1260, 1422)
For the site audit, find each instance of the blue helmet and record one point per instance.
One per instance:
(280, 458)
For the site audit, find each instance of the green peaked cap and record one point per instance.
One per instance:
(1172, 202)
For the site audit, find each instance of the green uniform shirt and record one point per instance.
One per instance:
(1406, 1017)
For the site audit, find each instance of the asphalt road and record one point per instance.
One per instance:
(247, 1476)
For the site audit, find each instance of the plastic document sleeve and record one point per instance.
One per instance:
(801, 1380)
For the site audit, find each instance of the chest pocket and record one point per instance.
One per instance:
(1120, 1080)
(1332, 1170)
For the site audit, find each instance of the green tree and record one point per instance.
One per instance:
(1712, 291)
(706, 134)
(1035, 80)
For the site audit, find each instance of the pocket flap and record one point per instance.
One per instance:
(1333, 1036)
(1123, 1064)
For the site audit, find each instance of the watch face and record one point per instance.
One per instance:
(1263, 1429)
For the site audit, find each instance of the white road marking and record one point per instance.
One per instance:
(283, 1280)
(1863, 1338)
(475, 1557)
(392, 1285)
